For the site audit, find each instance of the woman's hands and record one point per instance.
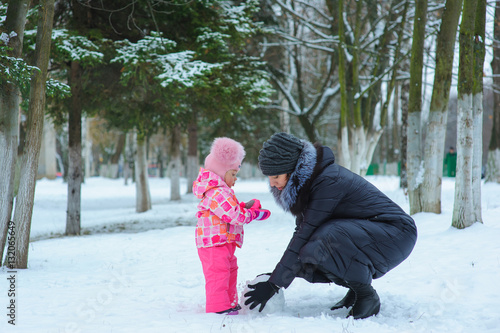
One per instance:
(261, 293)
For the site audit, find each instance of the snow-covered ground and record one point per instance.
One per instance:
(135, 272)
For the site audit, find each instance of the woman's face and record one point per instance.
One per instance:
(278, 181)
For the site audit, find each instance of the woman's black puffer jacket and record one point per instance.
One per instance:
(345, 226)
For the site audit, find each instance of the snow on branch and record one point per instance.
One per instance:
(153, 54)
(76, 47)
(179, 68)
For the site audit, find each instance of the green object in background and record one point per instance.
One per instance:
(450, 163)
(372, 169)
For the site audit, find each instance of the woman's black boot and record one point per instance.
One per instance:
(367, 302)
(346, 302)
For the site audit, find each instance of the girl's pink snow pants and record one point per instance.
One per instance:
(220, 269)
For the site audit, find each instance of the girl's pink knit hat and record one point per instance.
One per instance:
(225, 154)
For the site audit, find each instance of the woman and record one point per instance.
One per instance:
(347, 231)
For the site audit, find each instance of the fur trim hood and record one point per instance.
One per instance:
(288, 197)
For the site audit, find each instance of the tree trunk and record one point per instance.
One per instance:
(415, 170)
(364, 127)
(113, 167)
(438, 115)
(405, 92)
(143, 196)
(493, 167)
(192, 155)
(87, 149)
(24, 200)
(175, 164)
(9, 118)
(477, 160)
(73, 214)
(357, 133)
(463, 210)
(47, 166)
(345, 156)
(130, 148)
(395, 136)
(393, 89)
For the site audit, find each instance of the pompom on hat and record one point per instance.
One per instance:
(279, 154)
(225, 154)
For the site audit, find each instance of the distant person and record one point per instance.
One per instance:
(347, 231)
(220, 224)
(451, 162)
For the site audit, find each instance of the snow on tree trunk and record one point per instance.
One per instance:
(371, 145)
(477, 160)
(175, 164)
(436, 127)
(75, 175)
(192, 155)
(415, 167)
(462, 210)
(414, 162)
(345, 156)
(143, 196)
(463, 214)
(25, 197)
(357, 151)
(433, 160)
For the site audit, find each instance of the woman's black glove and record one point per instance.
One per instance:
(263, 291)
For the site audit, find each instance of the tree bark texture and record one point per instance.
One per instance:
(463, 210)
(24, 200)
(75, 172)
(415, 170)
(438, 115)
(9, 119)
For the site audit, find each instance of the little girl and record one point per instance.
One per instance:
(220, 223)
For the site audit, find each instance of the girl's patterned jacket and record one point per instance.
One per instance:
(220, 216)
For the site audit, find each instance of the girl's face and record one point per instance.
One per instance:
(230, 177)
(278, 181)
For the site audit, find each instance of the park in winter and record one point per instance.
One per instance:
(249, 166)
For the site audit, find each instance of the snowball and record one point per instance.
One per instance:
(275, 304)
